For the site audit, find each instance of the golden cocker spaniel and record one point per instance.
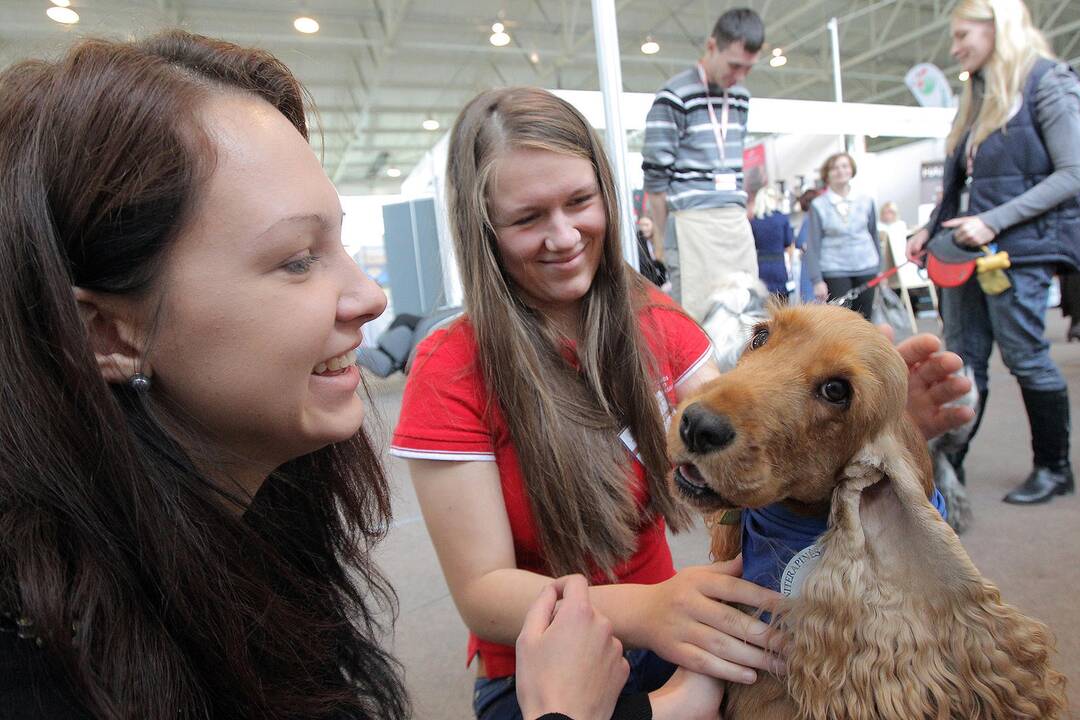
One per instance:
(887, 617)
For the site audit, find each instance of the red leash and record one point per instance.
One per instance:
(855, 292)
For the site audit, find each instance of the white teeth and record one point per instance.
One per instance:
(334, 364)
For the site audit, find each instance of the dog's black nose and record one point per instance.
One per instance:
(704, 431)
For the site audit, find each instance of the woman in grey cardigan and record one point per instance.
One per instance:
(842, 249)
(1011, 183)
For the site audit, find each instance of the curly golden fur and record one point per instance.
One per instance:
(895, 622)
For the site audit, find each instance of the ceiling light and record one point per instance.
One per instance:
(778, 60)
(62, 3)
(964, 76)
(534, 57)
(393, 172)
(650, 46)
(306, 25)
(64, 15)
(498, 37)
(430, 124)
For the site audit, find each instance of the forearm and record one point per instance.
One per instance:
(494, 606)
(811, 253)
(626, 606)
(658, 210)
(1058, 115)
(1061, 185)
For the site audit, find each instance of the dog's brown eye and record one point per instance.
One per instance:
(759, 338)
(836, 391)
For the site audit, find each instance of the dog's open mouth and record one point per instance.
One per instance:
(692, 485)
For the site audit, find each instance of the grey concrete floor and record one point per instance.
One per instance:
(1031, 553)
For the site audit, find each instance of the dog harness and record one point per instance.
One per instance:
(773, 535)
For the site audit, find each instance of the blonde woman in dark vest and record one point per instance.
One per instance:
(1011, 183)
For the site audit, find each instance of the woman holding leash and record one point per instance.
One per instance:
(534, 427)
(842, 248)
(1011, 183)
(187, 499)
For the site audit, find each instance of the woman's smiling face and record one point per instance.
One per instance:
(261, 304)
(550, 224)
(972, 43)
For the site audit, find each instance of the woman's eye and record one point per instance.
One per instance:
(300, 265)
(581, 200)
(525, 220)
(836, 391)
(759, 338)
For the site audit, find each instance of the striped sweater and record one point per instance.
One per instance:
(680, 156)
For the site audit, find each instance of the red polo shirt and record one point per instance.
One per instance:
(446, 415)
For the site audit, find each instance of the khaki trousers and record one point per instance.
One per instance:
(706, 245)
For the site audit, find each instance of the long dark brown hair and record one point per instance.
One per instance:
(150, 594)
(565, 423)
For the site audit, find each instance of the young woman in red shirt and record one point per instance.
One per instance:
(534, 426)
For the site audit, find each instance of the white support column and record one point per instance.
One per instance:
(835, 35)
(607, 59)
(838, 90)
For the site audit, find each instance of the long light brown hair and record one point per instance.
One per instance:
(564, 422)
(1017, 45)
(152, 597)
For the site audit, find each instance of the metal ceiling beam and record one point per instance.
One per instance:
(393, 25)
(824, 75)
(951, 70)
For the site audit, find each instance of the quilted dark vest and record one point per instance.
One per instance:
(1008, 164)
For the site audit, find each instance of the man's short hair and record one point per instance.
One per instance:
(740, 24)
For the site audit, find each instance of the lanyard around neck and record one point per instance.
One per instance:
(719, 129)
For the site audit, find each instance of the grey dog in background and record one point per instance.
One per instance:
(956, 500)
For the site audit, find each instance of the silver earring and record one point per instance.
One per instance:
(139, 383)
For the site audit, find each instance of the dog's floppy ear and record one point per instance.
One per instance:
(896, 622)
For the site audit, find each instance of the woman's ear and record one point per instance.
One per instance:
(114, 335)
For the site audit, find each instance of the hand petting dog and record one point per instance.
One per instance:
(933, 383)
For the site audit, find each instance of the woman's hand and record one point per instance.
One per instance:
(932, 384)
(970, 231)
(915, 245)
(821, 291)
(687, 621)
(687, 696)
(568, 660)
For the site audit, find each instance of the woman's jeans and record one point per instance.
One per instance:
(496, 699)
(1016, 319)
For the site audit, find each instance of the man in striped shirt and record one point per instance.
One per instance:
(693, 164)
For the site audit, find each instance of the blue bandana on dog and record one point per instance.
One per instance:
(773, 535)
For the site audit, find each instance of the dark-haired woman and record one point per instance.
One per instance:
(534, 427)
(186, 498)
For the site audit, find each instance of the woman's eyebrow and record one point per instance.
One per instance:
(322, 221)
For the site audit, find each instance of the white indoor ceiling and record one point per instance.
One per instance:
(378, 68)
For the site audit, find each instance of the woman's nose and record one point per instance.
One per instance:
(362, 298)
(562, 234)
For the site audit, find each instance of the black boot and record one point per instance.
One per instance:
(956, 456)
(1048, 414)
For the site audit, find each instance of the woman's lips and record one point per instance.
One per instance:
(566, 260)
